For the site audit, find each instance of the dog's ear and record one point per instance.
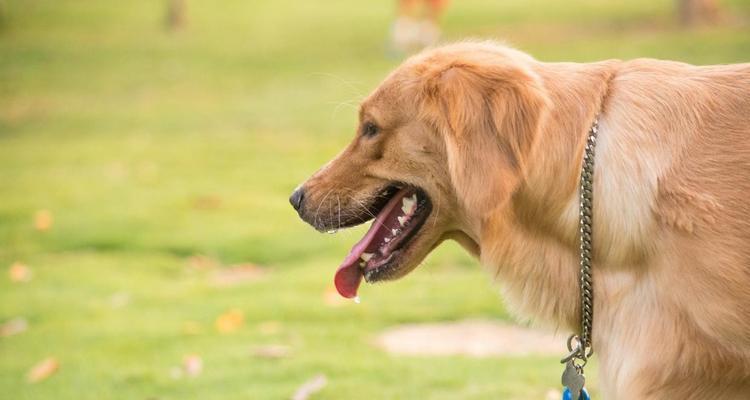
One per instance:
(490, 114)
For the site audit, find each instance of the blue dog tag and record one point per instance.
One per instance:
(569, 396)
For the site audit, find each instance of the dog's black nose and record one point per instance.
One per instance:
(297, 198)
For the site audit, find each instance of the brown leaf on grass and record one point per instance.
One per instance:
(43, 370)
(19, 272)
(240, 273)
(43, 220)
(14, 327)
(310, 387)
(202, 262)
(206, 202)
(230, 321)
(273, 351)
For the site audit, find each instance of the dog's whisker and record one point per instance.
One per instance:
(331, 229)
(317, 211)
(357, 202)
(362, 205)
(341, 104)
(437, 210)
(358, 90)
(338, 199)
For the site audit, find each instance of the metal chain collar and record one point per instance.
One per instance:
(581, 350)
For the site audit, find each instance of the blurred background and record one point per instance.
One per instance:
(147, 150)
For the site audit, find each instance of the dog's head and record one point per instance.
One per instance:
(440, 143)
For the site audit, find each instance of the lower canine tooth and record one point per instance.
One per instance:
(401, 220)
(394, 231)
(366, 256)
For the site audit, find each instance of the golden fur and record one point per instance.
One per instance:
(496, 139)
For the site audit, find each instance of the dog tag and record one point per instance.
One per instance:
(568, 396)
(573, 380)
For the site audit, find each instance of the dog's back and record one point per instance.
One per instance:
(706, 195)
(688, 128)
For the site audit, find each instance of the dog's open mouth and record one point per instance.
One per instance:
(399, 218)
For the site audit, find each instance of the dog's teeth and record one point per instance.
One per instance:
(366, 256)
(394, 232)
(407, 204)
(387, 240)
(401, 220)
(362, 264)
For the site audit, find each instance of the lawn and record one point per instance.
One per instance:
(138, 166)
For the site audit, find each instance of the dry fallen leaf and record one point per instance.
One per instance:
(237, 274)
(19, 272)
(192, 365)
(42, 370)
(310, 387)
(206, 202)
(201, 262)
(271, 351)
(13, 327)
(230, 321)
(43, 220)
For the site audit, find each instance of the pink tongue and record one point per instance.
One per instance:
(349, 275)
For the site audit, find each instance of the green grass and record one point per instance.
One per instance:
(119, 128)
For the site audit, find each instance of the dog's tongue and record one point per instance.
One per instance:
(350, 273)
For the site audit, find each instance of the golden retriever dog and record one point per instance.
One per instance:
(482, 144)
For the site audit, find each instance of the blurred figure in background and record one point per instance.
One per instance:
(695, 12)
(176, 15)
(416, 25)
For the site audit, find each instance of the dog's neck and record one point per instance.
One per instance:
(547, 199)
(532, 242)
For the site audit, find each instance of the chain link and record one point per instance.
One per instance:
(582, 349)
(585, 224)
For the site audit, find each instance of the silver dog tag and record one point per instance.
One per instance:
(573, 379)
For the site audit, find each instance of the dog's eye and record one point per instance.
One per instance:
(369, 129)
